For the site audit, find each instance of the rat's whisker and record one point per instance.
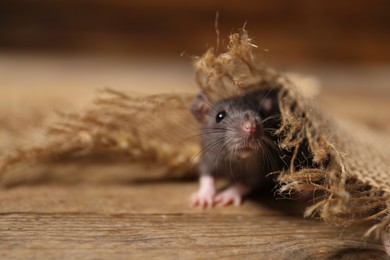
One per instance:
(269, 118)
(208, 147)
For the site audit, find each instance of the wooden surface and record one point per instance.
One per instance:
(155, 221)
(100, 211)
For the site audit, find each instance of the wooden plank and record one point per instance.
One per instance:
(155, 221)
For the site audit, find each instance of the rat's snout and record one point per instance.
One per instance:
(249, 127)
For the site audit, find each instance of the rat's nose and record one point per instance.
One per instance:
(249, 127)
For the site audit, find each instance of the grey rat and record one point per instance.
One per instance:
(238, 143)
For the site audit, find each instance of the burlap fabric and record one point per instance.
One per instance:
(350, 169)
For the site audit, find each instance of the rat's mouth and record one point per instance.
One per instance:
(245, 151)
(245, 147)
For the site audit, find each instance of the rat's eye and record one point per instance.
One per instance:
(220, 116)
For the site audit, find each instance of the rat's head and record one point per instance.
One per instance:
(236, 127)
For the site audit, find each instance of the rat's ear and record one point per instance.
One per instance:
(269, 103)
(200, 107)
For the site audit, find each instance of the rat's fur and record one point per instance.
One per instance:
(229, 152)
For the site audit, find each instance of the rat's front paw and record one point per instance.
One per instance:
(203, 198)
(232, 195)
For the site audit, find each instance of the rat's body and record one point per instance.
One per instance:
(237, 143)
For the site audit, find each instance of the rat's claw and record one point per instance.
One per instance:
(203, 199)
(227, 197)
(232, 195)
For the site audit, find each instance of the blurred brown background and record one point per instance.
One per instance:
(294, 31)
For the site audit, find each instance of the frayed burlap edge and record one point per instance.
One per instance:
(144, 129)
(349, 195)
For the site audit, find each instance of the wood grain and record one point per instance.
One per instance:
(155, 221)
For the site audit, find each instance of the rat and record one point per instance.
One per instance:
(238, 143)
